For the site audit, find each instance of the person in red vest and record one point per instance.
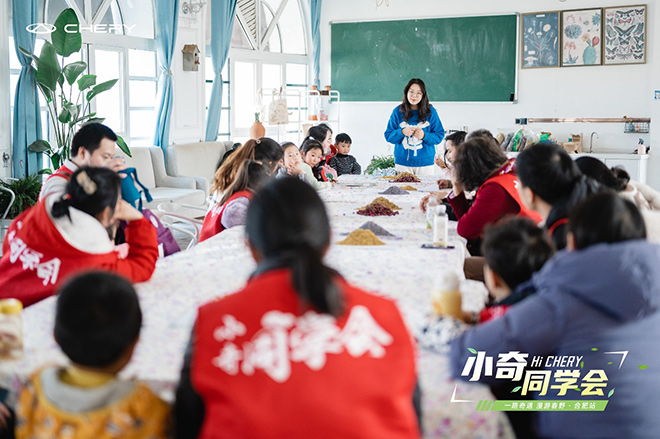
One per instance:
(93, 145)
(64, 235)
(232, 208)
(299, 352)
(481, 165)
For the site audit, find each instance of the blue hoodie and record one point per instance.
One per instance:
(410, 151)
(607, 297)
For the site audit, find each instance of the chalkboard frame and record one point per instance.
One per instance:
(513, 98)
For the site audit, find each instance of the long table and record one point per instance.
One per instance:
(401, 270)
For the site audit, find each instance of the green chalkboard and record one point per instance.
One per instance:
(462, 59)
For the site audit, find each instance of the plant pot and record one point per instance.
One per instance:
(257, 130)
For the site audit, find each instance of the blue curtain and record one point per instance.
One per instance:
(222, 25)
(27, 120)
(167, 16)
(315, 9)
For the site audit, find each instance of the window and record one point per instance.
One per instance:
(224, 131)
(269, 51)
(117, 44)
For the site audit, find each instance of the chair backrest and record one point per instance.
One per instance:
(196, 159)
(143, 164)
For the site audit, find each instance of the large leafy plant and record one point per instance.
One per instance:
(25, 189)
(68, 91)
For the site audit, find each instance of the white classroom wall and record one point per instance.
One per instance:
(594, 91)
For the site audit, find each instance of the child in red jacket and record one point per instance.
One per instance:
(64, 235)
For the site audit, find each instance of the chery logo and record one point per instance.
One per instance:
(40, 28)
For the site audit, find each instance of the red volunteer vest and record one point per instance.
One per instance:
(213, 220)
(268, 368)
(509, 183)
(62, 172)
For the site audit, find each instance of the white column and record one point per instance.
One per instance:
(5, 114)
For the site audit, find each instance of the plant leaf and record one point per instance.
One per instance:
(100, 88)
(86, 81)
(46, 171)
(39, 146)
(65, 115)
(121, 143)
(48, 94)
(82, 118)
(65, 40)
(29, 54)
(73, 70)
(48, 70)
(95, 120)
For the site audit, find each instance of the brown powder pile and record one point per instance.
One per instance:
(405, 177)
(408, 188)
(361, 237)
(383, 202)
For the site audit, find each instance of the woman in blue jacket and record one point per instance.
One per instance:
(414, 129)
(598, 303)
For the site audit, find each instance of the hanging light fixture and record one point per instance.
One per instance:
(192, 7)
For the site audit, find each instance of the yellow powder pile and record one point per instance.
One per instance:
(408, 188)
(383, 202)
(361, 237)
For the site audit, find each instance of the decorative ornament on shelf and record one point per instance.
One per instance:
(192, 7)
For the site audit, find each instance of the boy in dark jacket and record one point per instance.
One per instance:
(344, 163)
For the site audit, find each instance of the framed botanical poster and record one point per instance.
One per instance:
(625, 35)
(540, 40)
(581, 37)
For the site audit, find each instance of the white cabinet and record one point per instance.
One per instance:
(636, 166)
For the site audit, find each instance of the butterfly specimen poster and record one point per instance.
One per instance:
(625, 35)
(581, 37)
(540, 40)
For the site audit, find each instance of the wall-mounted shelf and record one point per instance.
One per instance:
(525, 120)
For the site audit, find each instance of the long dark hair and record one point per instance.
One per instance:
(319, 132)
(605, 217)
(424, 106)
(265, 150)
(598, 171)
(287, 222)
(476, 160)
(251, 175)
(90, 190)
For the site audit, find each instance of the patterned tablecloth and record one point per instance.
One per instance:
(401, 270)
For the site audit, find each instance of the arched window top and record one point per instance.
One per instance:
(133, 18)
(276, 26)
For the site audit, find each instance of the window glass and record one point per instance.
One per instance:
(141, 63)
(109, 103)
(142, 123)
(244, 82)
(291, 26)
(142, 93)
(296, 74)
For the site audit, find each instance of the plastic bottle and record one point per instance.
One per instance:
(11, 329)
(447, 295)
(440, 226)
(430, 210)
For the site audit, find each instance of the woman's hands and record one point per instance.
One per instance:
(127, 212)
(418, 133)
(443, 183)
(408, 131)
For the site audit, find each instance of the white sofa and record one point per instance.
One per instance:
(150, 166)
(197, 160)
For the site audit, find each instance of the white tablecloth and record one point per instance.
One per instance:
(401, 270)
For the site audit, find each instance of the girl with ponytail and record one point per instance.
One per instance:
(63, 235)
(298, 352)
(231, 209)
(264, 150)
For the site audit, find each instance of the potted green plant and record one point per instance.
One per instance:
(67, 90)
(16, 195)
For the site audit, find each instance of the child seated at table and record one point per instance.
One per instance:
(97, 325)
(299, 352)
(63, 235)
(514, 250)
(231, 209)
(342, 162)
(291, 162)
(312, 153)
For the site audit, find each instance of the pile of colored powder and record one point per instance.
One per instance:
(376, 210)
(383, 202)
(361, 237)
(394, 190)
(405, 177)
(378, 230)
(408, 188)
